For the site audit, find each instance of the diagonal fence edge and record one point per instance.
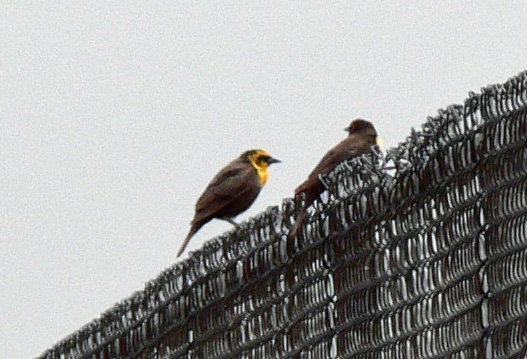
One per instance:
(386, 266)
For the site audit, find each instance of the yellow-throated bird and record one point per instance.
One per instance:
(232, 190)
(362, 138)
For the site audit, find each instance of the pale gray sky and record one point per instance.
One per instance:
(114, 117)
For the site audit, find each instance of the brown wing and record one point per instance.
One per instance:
(229, 193)
(348, 148)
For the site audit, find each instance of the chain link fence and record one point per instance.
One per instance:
(424, 260)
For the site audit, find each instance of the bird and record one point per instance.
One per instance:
(232, 191)
(362, 139)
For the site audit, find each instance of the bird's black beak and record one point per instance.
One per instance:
(347, 129)
(272, 160)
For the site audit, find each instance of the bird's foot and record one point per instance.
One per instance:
(231, 221)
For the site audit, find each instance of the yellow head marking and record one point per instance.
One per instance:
(259, 160)
(380, 142)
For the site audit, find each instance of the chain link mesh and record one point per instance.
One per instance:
(428, 260)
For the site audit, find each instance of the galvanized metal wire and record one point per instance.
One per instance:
(427, 261)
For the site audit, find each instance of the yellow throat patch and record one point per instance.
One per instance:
(257, 161)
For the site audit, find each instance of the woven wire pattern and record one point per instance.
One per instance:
(426, 261)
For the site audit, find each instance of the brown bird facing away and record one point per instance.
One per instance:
(232, 190)
(362, 139)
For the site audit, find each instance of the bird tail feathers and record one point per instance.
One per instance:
(193, 229)
(298, 224)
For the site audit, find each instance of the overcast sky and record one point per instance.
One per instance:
(115, 117)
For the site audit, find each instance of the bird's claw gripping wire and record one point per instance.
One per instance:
(231, 221)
